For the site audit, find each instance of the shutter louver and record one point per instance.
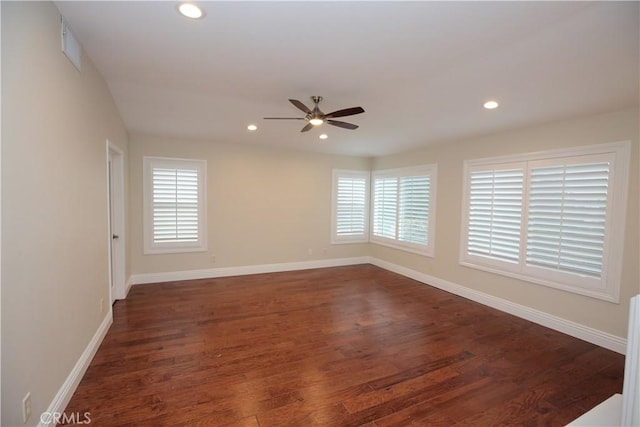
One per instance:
(385, 199)
(351, 206)
(495, 209)
(413, 223)
(175, 205)
(567, 218)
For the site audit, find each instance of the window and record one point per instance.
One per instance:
(495, 210)
(554, 218)
(174, 205)
(350, 206)
(404, 208)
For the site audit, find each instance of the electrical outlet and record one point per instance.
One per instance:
(310, 251)
(26, 407)
(213, 259)
(101, 305)
(324, 251)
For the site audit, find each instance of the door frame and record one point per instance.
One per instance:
(116, 222)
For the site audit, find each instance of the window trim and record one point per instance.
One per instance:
(335, 175)
(614, 235)
(149, 246)
(421, 170)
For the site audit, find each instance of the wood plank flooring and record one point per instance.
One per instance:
(344, 346)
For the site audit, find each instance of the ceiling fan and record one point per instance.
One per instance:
(316, 117)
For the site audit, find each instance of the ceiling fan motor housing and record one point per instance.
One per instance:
(316, 114)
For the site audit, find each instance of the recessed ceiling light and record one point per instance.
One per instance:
(252, 127)
(190, 10)
(490, 105)
(324, 136)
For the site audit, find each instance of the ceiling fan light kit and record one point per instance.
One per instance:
(316, 117)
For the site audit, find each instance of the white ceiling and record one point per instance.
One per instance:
(421, 70)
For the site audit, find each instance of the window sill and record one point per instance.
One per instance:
(607, 295)
(401, 247)
(349, 241)
(173, 250)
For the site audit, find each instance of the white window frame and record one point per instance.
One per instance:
(606, 288)
(426, 250)
(357, 238)
(151, 247)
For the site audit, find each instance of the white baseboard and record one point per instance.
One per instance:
(137, 279)
(62, 398)
(577, 330)
(127, 287)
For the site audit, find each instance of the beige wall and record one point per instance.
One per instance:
(264, 205)
(54, 206)
(598, 314)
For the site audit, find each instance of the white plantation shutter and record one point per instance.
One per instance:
(567, 218)
(555, 218)
(413, 225)
(385, 202)
(495, 211)
(174, 205)
(350, 206)
(404, 208)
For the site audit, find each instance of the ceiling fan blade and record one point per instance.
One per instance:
(308, 127)
(300, 106)
(342, 124)
(345, 112)
(283, 118)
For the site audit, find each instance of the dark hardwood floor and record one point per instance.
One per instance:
(344, 346)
